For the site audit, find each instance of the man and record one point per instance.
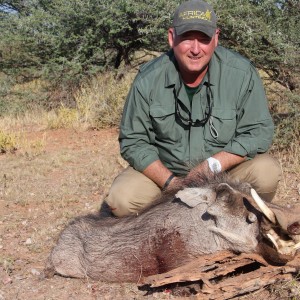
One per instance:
(198, 105)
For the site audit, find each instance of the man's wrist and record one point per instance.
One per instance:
(214, 165)
(168, 181)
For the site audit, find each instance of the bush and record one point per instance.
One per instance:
(100, 103)
(286, 115)
(63, 117)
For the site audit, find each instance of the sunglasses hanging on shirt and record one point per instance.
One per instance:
(188, 121)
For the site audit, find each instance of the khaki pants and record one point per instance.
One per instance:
(131, 190)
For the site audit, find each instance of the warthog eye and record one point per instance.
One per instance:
(251, 217)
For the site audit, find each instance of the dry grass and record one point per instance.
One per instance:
(63, 117)
(100, 103)
(293, 288)
(8, 142)
(11, 142)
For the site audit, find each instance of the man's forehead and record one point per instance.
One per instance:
(196, 34)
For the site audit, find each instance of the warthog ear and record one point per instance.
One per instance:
(194, 196)
(225, 192)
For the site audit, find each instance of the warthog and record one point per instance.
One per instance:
(180, 226)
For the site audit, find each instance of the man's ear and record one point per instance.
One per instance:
(217, 37)
(171, 37)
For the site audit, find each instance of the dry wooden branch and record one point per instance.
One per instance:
(225, 275)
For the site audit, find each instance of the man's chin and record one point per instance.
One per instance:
(196, 69)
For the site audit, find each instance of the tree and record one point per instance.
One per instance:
(68, 41)
(73, 39)
(265, 31)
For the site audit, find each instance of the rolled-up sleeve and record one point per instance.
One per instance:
(255, 128)
(136, 133)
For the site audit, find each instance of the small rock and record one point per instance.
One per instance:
(19, 262)
(35, 272)
(6, 280)
(28, 241)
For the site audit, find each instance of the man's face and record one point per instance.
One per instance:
(193, 51)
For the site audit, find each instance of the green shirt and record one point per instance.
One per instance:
(240, 121)
(191, 91)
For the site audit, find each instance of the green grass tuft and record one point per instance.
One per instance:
(8, 142)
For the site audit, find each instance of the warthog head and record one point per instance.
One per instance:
(273, 230)
(281, 226)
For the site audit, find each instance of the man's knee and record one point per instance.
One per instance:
(120, 200)
(130, 192)
(267, 172)
(263, 173)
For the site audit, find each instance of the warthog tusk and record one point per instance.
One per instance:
(264, 208)
(297, 246)
(273, 240)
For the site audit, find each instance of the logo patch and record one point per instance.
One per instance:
(195, 14)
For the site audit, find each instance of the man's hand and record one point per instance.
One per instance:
(227, 161)
(176, 183)
(158, 173)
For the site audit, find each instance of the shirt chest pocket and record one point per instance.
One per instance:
(163, 122)
(221, 126)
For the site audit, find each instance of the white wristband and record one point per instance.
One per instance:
(214, 165)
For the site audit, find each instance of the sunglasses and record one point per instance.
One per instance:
(187, 119)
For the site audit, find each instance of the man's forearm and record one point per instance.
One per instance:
(227, 161)
(158, 173)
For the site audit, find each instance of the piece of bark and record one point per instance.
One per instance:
(224, 275)
(205, 268)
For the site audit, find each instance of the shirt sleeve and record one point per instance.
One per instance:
(255, 128)
(136, 133)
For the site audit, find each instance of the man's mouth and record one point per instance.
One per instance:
(194, 58)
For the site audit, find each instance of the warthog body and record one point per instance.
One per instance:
(216, 216)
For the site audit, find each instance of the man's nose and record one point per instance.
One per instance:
(195, 47)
